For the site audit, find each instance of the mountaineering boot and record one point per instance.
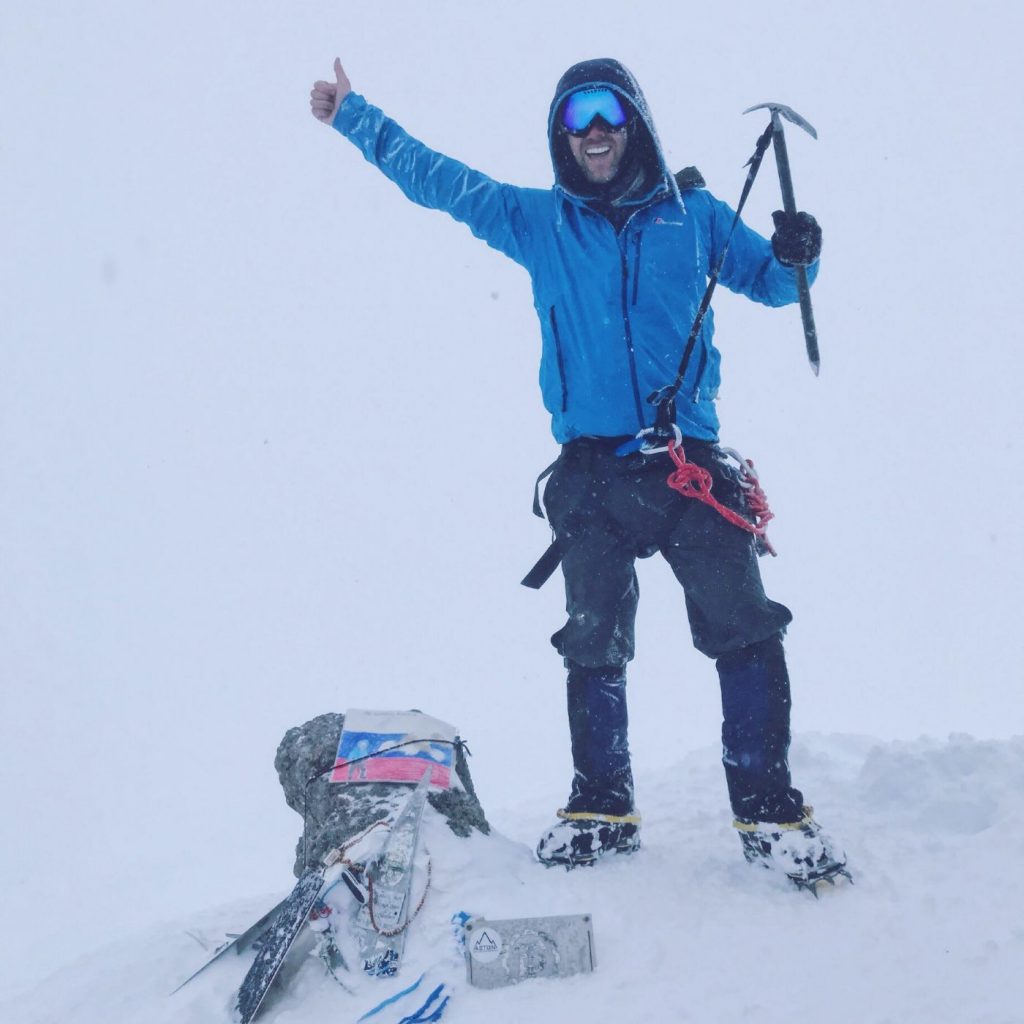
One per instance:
(578, 840)
(802, 850)
(599, 817)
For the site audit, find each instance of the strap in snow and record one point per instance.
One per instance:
(424, 1015)
(391, 999)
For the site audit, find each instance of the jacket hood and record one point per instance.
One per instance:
(644, 173)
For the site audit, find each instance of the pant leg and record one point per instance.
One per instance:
(597, 640)
(601, 597)
(755, 732)
(598, 725)
(716, 563)
(601, 587)
(735, 622)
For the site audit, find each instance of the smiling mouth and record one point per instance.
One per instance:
(599, 150)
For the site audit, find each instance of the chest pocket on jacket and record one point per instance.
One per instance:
(659, 255)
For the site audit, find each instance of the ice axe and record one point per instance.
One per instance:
(780, 110)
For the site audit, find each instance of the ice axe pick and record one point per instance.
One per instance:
(779, 111)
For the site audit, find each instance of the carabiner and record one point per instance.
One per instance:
(646, 447)
(748, 475)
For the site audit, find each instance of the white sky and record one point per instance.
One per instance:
(268, 433)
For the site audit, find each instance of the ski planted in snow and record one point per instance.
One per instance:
(291, 916)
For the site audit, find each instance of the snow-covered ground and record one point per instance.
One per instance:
(268, 436)
(930, 933)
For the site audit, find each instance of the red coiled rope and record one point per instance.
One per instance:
(693, 481)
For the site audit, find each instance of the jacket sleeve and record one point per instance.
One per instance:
(492, 211)
(750, 266)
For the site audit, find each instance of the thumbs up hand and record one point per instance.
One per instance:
(326, 97)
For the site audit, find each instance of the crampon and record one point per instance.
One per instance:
(802, 850)
(579, 839)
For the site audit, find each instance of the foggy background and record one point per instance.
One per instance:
(268, 432)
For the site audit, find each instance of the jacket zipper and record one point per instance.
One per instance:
(631, 353)
(636, 266)
(561, 360)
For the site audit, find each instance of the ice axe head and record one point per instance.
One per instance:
(788, 113)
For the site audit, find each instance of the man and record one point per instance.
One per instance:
(619, 254)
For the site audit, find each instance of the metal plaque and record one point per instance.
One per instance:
(506, 952)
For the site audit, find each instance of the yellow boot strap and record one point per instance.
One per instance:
(759, 826)
(612, 819)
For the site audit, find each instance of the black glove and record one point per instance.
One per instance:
(797, 238)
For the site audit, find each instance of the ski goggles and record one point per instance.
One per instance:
(582, 108)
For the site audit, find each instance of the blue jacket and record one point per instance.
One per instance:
(615, 309)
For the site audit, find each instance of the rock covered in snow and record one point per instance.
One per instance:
(333, 814)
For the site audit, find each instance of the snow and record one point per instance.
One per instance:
(269, 435)
(685, 929)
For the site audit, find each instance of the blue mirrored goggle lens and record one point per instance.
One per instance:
(581, 108)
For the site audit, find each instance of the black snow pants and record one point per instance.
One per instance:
(606, 511)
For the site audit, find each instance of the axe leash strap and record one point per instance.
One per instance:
(664, 398)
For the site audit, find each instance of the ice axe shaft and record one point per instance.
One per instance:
(779, 111)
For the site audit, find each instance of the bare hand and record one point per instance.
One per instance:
(326, 97)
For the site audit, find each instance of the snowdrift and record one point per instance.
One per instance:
(686, 930)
